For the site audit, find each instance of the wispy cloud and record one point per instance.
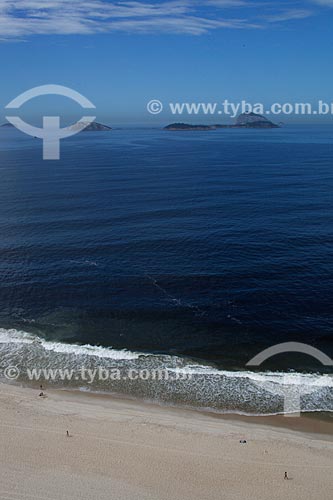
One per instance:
(228, 3)
(328, 3)
(21, 18)
(289, 15)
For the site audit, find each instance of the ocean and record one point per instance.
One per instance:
(188, 252)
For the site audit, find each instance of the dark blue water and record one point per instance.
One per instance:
(205, 245)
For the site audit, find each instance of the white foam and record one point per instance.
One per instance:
(314, 380)
(279, 378)
(13, 336)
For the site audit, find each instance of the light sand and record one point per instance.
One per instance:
(126, 450)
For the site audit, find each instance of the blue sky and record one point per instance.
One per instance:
(122, 54)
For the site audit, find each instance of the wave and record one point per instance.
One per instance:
(194, 385)
(13, 336)
(283, 378)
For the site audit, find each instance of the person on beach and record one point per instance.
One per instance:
(67, 434)
(286, 475)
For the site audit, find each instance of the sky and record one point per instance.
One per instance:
(122, 54)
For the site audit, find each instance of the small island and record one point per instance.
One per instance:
(244, 120)
(186, 126)
(91, 127)
(250, 120)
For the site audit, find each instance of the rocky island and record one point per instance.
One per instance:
(250, 120)
(244, 120)
(91, 127)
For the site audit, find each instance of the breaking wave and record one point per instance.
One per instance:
(200, 385)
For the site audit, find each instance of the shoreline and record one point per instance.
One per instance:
(174, 380)
(124, 449)
(315, 423)
(309, 423)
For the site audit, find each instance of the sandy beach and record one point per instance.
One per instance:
(121, 449)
